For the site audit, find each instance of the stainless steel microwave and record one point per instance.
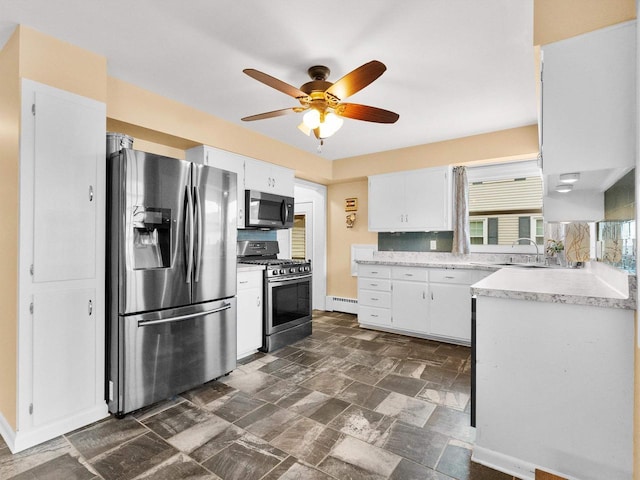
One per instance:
(266, 210)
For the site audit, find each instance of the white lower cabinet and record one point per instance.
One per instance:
(426, 302)
(409, 299)
(374, 295)
(249, 320)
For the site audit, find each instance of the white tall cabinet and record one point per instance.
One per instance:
(61, 332)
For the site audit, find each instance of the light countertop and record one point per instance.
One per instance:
(596, 284)
(247, 267)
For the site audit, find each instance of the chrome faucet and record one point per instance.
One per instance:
(531, 242)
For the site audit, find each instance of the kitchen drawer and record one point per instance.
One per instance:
(250, 279)
(410, 273)
(375, 271)
(374, 298)
(452, 276)
(379, 316)
(374, 284)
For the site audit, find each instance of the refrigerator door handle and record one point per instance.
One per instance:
(199, 232)
(188, 232)
(145, 323)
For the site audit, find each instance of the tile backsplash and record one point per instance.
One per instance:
(415, 241)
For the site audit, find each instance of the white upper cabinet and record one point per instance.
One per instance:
(267, 177)
(416, 200)
(66, 193)
(232, 162)
(252, 174)
(589, 101)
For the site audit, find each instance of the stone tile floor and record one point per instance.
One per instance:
(344, 403)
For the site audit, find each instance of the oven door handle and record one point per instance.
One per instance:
(145, 323)
(288, 279)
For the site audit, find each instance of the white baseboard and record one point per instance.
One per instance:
(504, 463)
(21, 440)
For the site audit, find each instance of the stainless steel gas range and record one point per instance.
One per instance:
(287, 293)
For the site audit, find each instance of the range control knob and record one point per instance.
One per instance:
(306, 269)
(282, 272)
(292, 270)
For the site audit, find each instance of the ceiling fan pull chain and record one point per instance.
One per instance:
(320, 146)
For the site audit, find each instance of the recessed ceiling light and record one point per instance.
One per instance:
(569, 177)
(564, 188)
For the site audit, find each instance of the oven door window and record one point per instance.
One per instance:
(291, 302)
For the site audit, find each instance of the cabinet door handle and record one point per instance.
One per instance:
(374, 299)
(91, 193)
(242, 282)
(373, 284)
(449, 277)
(431, 295)
(374, 273)
(374, 315)
(90, 307)
(424, 295)
(258, 301)
(408, 274)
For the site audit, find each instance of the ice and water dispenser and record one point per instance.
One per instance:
(151, 237)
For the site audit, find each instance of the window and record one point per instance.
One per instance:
(298, 237)
(478, 231)
(505, 203)
(538, 228)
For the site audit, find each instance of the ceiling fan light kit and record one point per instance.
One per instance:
(322, 100)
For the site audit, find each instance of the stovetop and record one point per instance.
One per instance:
(265, 252)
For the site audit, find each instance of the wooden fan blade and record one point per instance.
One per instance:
(366, 113)
(275, 83)
(275, 113)
(357, 79)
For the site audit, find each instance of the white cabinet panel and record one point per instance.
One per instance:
(589, 90)
(249, 320)
(417, 200)
(410, 306)
(451, 311)
(66, 159)
(64, 359)
(267, 177)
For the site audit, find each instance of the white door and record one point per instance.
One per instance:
(451, 311)
(65, 188)
(409, 306)
(64, 353)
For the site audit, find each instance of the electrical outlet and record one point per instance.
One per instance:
(432, 245)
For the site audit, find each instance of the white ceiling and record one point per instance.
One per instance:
(454, 67)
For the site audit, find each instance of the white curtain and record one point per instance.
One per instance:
(460, 211)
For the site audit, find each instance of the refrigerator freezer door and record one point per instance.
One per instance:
(215, 197)
(172, 351)
(154, 225)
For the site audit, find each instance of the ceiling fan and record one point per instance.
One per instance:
(323, 100)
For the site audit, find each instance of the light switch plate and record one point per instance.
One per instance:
(432, 245)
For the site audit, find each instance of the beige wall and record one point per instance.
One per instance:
(555, 20)
(154, 118)
(9, 196)
(340, 238)
(513, 144)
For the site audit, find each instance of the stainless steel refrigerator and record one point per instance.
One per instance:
(171, 277)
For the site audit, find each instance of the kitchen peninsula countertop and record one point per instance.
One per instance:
(595, 284)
